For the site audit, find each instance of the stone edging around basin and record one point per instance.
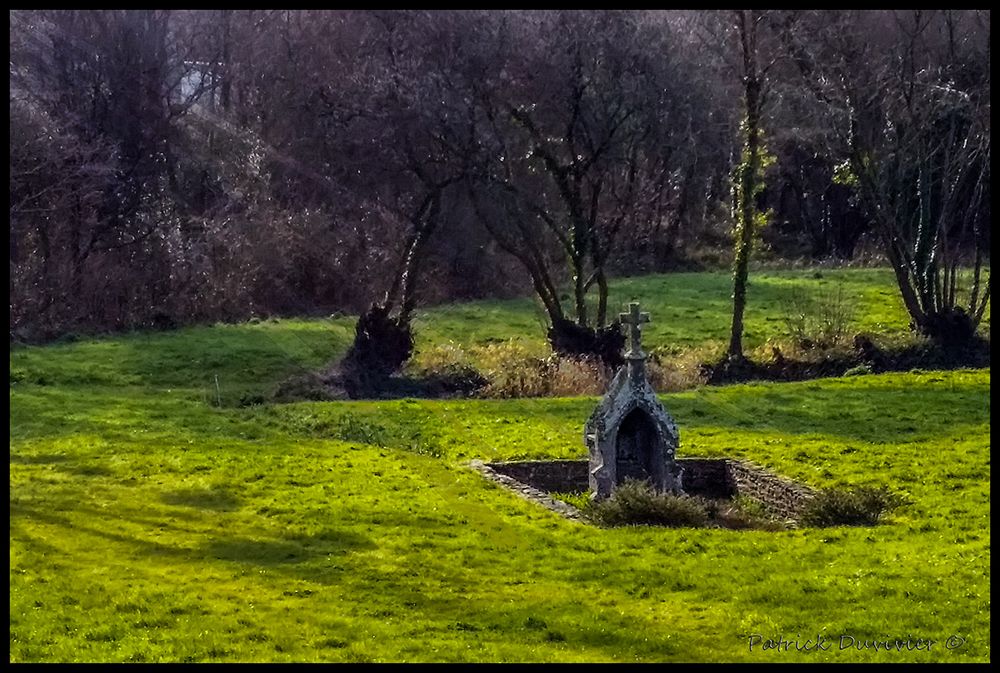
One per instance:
(529, 492)
(709, 477)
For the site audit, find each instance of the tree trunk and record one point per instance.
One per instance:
(383, 342)
(413, 259)
(602, 297)
(410, 248)
(746, 179)
(580, 293)
(226, 90)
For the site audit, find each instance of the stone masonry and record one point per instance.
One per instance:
(707, 477)
(630, 434)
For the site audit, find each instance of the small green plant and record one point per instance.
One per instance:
(859, 370)
(578, 500)
(353, 429)
(425, 447)
(634, 503)
(862, 506)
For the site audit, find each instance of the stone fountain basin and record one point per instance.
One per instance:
(707, 477)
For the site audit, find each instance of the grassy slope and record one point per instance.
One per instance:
(688, 309)
(146, 525)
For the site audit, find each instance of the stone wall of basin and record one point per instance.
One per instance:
(783, 497)
(708, 477)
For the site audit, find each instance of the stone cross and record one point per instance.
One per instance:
(634, 320)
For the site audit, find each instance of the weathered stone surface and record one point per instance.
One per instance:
(554, 476)
(630, 434)
(707, 477)
(783, 497)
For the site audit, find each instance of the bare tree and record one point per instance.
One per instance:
(576, 128)
(906, 94)
(401, 129)
(107, 85)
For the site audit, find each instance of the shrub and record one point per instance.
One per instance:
(744, 513)
(858, 507)
(440, 358)
(634, 503)
(506, 369)
(577, 376)
(671, 370)
(514, 369)
(860, 370)
(823, 321)
(446, 368)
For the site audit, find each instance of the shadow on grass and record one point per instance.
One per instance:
(880, 409)
(263, 551)
(203, 498)
(39, 459)
(91, 470)
(63, 463)
(290, 550)
(424, 595)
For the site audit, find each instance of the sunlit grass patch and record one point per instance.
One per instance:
(153, 527)
(149, 523)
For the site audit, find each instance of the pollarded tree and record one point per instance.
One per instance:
(398, 134)
(362, 121)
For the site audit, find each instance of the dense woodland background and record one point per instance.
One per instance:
(170, 167)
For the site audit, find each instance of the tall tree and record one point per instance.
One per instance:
(109, 86)
(747, 181)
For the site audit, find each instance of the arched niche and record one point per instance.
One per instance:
(636, 447)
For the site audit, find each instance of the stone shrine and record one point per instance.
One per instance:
(630, 434)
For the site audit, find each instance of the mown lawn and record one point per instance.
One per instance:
(148, 525)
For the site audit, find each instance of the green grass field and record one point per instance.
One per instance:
(147, 524)
(688, 309)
